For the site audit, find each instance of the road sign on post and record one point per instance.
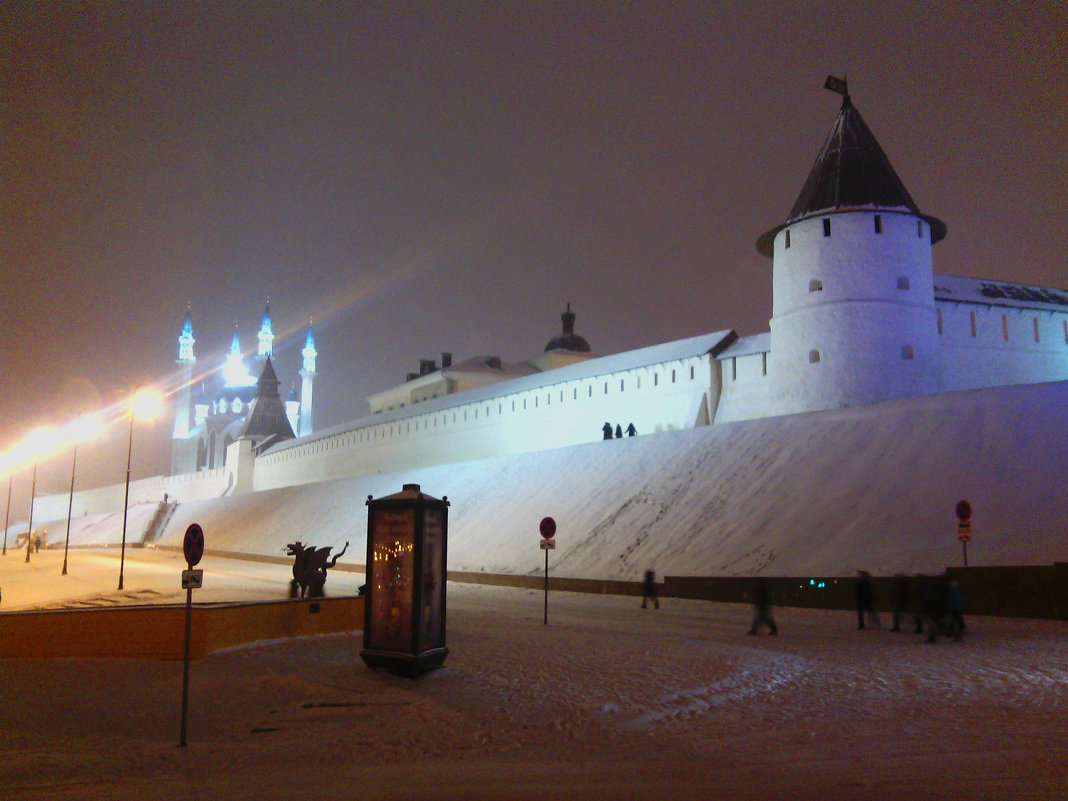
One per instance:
(193, 545)
(547, 527)
(964, 526)
(193, 548)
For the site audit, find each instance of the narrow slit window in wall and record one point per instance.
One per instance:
(919, 228)
(903, 282)
(734, 368)
(972, 317)
(1036, 329)
(826, 227)
(938, 313)
(786, 239)
(764, 363)
(815, 285)
(878, 223)
(906, 351)
(621, 385)
(1066, 332)
(672, 376)
(1005, 327)
(691, 372)
(813, 356)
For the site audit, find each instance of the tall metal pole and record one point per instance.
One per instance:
(185, 666)
(29, 526)
(7, 514)
(70, 507)
(546, 620)
(126, 501)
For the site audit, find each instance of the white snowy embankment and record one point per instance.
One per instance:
(823, 493)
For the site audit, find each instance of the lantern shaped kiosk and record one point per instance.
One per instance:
(404, 613)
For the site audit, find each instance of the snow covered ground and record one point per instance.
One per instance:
(814, 494)
(607, 701)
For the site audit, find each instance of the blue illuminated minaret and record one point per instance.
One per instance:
(182, 406)
(308, 374)
(266, 335)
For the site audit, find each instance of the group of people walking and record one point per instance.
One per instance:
(934, 601)
(618, 431)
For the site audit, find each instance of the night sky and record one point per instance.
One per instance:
(434, 177)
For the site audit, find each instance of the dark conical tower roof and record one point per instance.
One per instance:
(267, 414)
(851, 172)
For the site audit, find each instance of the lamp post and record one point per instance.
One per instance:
(83, 428)
(29, 525)
(70, 507)
(7, 514)
(144, 404)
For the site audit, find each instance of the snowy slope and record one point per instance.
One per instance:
(822, 493)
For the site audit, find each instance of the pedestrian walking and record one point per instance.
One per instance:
(900, 599)
(762, 608)
(649, 590)
(865, 601)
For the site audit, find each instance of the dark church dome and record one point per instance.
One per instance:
(568, 339)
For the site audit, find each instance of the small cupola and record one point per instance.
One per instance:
(568, 339)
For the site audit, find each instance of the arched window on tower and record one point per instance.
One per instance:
(814, 356)
(815, 285)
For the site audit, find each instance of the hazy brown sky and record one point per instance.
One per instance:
(427, 177)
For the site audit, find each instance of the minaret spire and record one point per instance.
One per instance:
(183, 411)
(266, 335)
(308, 375)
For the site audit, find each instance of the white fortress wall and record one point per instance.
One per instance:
(100, 500)
(527, 414)
(745, 379)
(986, 345)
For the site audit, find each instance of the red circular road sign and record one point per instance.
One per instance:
(193, 544)
(964, 511)
(547, 527)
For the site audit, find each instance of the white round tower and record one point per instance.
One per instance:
(853, 318)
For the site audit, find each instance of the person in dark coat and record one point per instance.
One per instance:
(865, 600)
(607, 429)
(762, 608)
(619, 431)
(900, 599)
(649, 589)
(631, 430)
(955, 611)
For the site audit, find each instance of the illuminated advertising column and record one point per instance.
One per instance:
(404, 614)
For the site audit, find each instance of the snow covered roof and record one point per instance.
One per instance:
(983, 291)
(712, 344)
(487, 364)
(747, 346)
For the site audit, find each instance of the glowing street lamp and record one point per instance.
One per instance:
(82, 429)
(145, 404)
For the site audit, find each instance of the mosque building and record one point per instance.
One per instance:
(859, 317)
(246, 406)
